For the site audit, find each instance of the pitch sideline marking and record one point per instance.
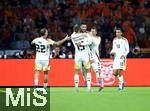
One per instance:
(2, 91)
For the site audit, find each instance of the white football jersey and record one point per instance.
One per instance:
(120, 46)
(42, 48)
(95, 45)
(83, 39)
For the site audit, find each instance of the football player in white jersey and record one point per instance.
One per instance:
(81, 43)
(83, 28)
(95, 57)
(119, 50)
(42, 44)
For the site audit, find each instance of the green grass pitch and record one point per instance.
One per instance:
(65, 99)
(131, 99)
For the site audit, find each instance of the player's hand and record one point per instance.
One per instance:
(78, 44)
(91, 60)
(67, 37)
(111, 56)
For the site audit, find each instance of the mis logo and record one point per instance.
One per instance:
(25, 97)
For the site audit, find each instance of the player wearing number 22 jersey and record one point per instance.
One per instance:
(43, 53)
(42, 48)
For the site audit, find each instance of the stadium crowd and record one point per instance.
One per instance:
(21, 20)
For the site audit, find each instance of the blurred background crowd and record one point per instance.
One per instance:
(21, 20)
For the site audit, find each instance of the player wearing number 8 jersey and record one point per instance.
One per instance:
(42, 44)
(119, 50)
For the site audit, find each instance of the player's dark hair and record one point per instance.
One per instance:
(94, 27)
(43, 31)
(83, 23)
(119, 29)
(76, 28)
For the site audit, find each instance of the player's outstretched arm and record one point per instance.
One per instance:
(63, 40)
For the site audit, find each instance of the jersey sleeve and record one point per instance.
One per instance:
(50, 42)
(113, 47)
(34, 41)
(126, 47)
(86, 41)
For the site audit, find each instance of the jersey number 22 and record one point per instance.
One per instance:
(40, 48)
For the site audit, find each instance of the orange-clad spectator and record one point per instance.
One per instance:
(106, 12)
(99, 7)
(58, 34)
(91, 10)
(125, 8)
(126, 24)
(130, 35)
(33, 12)
(47, 13)
(113, 22)
(76, 8)
(142, 10)
(83, 13)
(118, 14)
(52, 29)
(131, 11)
(113, 5)
(8, 11)
(5, 35)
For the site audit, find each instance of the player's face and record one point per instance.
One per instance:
(118, 33)
(94, 32)
(83, 27)
(46, 33)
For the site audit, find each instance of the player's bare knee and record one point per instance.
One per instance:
(119, 72)
(88, 70)
(115, 73)
(77, 71)
(46, 72)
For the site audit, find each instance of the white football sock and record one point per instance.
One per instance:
(36, 82)
(76, 80)
(102, 80)
(45, 85)
(88, 77)
(97, 73)
(120, 78)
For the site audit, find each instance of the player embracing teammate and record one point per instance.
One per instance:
(81, 43)
(86, 55)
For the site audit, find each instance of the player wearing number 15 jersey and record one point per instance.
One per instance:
(81, 43)
(43, 53)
